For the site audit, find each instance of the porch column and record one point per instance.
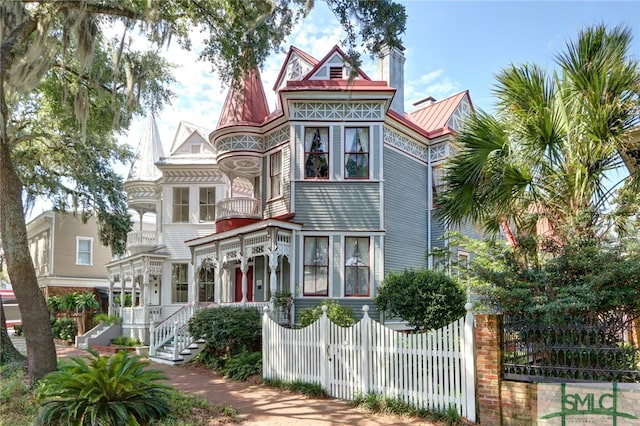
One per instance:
(244, 267)
(193, 283)
(111, 284)
(273, 266)
(217, 286)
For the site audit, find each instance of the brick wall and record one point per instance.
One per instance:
(488, 360)
(500, 402)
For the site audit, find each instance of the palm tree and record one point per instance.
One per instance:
(540, 164)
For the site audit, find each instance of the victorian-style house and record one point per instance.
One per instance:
(321, 197)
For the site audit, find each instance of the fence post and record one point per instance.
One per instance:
(365, 327)
(324, 349)
(469, 364)
(488, 364)
(266, 342)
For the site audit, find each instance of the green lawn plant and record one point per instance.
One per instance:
(64, 329)
(103, 391)
(338, 314)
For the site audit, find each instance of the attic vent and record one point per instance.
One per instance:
(196, 148)
(335, 72)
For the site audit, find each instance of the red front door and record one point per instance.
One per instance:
(249, 284)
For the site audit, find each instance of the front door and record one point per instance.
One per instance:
(249, 284)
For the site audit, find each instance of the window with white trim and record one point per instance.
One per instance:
(179, 283)
(316, 153)
(356, 153)
(84, 255)
(316, 266)
(206, 282)
(275, 174)
(180, 205)
(356, 266)
(207, 204)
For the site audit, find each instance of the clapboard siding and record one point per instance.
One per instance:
(278, 206)
(438, 229)
(350, 206)
(174, 236)
(405, 200)
(355, 304)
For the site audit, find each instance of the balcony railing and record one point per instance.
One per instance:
(238, 208)
(142, 239)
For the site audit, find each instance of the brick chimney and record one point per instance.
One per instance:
(391, 69)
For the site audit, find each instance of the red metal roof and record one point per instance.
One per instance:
(433, 118)
(246, 104)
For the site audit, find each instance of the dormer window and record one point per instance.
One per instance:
(335, 72)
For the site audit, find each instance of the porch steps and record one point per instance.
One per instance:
(164, 355)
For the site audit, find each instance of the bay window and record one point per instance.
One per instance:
(316, 153)
(356, 153)
(275, 174)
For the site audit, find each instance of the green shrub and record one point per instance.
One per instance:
(106, 319)
(109, 390)
(338, 314)
(228, 330)
(17, 330)
(126, 341)
(64, 329)
(244, 365)
(17, 402)
(377, 403)
(425, 299)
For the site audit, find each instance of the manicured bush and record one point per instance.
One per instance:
(338, 314)
(426, 300)
(228, 330)
(108, 390)
(126, 341)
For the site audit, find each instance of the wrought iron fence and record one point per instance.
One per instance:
(567, 352)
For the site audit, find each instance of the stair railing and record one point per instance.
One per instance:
(174, 327)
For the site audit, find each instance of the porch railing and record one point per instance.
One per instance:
(142, 238)
(238, 208)
(173, 328)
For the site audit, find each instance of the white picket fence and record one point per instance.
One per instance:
(433, 370)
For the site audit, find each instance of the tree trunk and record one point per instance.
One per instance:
(8, 352)
(41, 351)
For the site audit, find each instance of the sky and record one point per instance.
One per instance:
(451, 46)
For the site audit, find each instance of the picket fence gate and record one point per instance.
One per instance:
(433, 370)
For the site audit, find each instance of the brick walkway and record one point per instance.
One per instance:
(260, 405)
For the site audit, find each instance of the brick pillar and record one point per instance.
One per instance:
(488, 368)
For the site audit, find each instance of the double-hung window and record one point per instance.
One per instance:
(316, 153)
(84, 251)
(275, 174)
(356, 266)
(316, 266)
(180, 205)
(207, 204)
(206, 278)
(179, 283)
(356, 153)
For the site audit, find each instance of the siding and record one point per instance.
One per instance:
(281, 205)
(438, 230)
(355, 304)
(349, 206)
(174, 236)
(67, 228)
(405, 200)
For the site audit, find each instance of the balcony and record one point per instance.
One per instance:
(234, 212)
(138, 241)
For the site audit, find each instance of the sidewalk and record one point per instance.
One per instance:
(257, 404)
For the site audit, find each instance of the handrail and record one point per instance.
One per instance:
(238, 207)
(174, 327)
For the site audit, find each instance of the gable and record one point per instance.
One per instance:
(334, 66)
(297, 64)
(459, 115)
(187, 137)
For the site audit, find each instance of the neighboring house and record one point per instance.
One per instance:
(322, 197)
(67, 253)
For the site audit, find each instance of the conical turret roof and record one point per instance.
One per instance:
(149, 151)
(246, 103)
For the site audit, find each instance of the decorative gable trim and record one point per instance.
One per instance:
(406, 145)
(459, 115)
(337, 111)
(193, 176)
